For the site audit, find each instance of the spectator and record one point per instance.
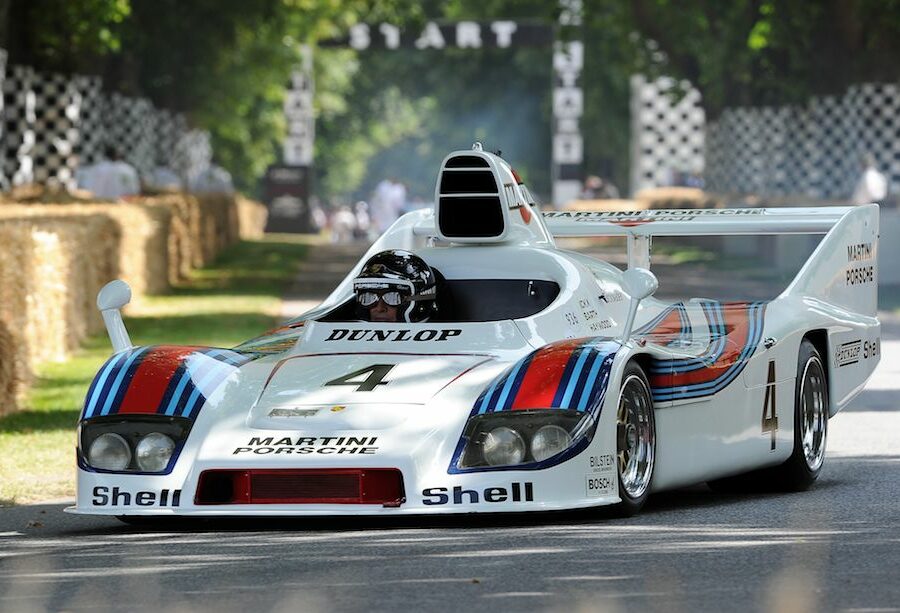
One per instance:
(388, 201)
(872, 185)
(596, 188)
(343, 225)
(213, 179)
(110, 178)
(363, 222)
(164, 179)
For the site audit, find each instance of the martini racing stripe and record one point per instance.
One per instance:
(172, 380)
(571, 374)
(672, 327)
(735, 332)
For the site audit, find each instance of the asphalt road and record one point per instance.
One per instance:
(836, 547)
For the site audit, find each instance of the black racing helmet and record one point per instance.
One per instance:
(402, 272)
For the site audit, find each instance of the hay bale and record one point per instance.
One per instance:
(143, 232)
(252, 218)
(9, 380)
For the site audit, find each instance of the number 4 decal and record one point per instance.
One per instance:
(770, 424)
(374, 377)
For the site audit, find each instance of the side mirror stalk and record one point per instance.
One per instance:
(111, 298)
(639, 283)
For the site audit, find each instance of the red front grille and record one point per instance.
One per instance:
(382, 486)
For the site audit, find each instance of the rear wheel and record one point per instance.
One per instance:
(810, 423)
(800, 471)
(635, 441)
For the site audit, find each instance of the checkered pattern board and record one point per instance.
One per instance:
(52, 124)
(814, 151)
(18, 125)
(667, 131)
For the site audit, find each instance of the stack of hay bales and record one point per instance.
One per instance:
(55, 258)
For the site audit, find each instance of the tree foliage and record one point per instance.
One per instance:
(225, 64)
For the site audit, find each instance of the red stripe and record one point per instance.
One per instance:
(667, 330)
(737, 330)
(543, 375)
(145, 392)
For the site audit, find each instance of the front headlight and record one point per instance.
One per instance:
(136, 443)
(548, 441)
(521, 438)
(109, 452)
(154, 451)
(503, 446)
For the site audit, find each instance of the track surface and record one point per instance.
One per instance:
(835, 547)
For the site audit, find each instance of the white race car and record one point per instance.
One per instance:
(547, 380)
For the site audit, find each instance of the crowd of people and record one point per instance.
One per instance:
(113, 178)
(367, 220)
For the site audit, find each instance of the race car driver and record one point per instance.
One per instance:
(396, 286)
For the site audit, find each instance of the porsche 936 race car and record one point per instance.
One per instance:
(546, 380)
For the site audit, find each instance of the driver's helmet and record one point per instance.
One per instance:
(400, 278)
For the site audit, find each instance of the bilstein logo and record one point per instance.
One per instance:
(348, 334)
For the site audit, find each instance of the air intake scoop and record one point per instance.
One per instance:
(475, 193)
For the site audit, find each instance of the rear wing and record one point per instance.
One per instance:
(843, 270)
(694, 222)
(640, 226)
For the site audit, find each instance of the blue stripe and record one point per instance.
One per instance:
(516, 378)
(97, 396)
(118, 382)
(583, 376)
(93, 389)
(573, 378)
(183, 381)
(591, 379)
(484, 403)
(504, 392)
(214, 369)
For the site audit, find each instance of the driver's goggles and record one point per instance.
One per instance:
(392, 298)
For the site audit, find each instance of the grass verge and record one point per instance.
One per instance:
(222, 305)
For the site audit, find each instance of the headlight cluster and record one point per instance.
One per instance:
(521, 437)
(139, 444)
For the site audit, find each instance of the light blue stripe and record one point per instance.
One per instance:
(487, 397)
(185, 377)
(573, 379)
(216, 369)
(589, 385)
(509, 383)
(114, 390)
(92, 403)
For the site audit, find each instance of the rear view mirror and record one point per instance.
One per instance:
(639, 283)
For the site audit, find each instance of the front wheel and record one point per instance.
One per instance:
(635, 440)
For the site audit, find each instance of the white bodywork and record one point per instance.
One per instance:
(263, 412)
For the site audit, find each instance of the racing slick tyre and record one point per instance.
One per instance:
(635, 441)
(810, 431)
